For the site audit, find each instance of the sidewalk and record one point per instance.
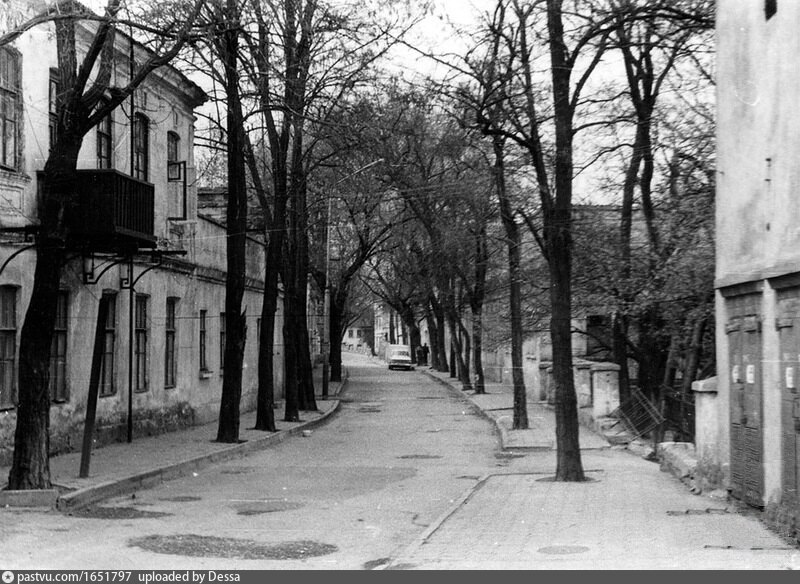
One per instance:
(122, 468)
(497, 404)
(628, 514)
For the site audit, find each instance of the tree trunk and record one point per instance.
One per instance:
(30, 467)
(619, 336)
(558, 226)
(440, 343)
(336, 336)
(477, 337)
(265, 412)
(520, 421)
(464, 357)
(433, 335)
(236, 227)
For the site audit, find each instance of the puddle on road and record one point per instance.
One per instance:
(201, 546)
(237, 470)
(180, 499)
(267, 506)
(563, 549)
(116, 513)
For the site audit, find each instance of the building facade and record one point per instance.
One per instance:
(165, 332)
(758, 256)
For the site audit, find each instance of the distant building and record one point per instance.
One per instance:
(758, 256)
(174, 367)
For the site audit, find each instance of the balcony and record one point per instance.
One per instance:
(114, 212)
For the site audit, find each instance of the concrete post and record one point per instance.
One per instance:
(605, 384)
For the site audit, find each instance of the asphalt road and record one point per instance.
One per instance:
(359, 489)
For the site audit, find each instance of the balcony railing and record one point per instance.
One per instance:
(114, 212)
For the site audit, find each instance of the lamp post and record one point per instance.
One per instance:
(326, 303)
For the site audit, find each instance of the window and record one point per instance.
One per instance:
(53, 106)
(104, 140)
(58, 352)
(8, 344)
(173, 156)
(140, 378)
(221, 342)
(203, 339)
(770, 8)
(170, 363)
(107, 386)
(141, 146)
(10, 108)
(350, 333)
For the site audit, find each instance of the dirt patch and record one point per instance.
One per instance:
(372, 564)
(237, 470)
(266, 506)
(201, 546)
(180, 499)
(116, 513)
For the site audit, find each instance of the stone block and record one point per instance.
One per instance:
(28, 498)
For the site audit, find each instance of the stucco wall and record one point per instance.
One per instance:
(758, 138)
(757, 207)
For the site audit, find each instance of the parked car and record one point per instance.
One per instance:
(399, 357)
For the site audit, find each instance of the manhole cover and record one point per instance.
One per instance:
(268, 506)
(430, 397)
(116, 513)
(563, 549)
(369, 410)
(419, 456)
(180, 499)
(202, 546)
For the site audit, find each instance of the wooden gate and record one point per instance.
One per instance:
(744, 348)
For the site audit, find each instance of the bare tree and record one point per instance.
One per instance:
(85, 78)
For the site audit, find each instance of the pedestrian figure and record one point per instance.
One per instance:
(424, 354)
(420, 356)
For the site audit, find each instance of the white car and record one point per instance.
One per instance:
(399, 357)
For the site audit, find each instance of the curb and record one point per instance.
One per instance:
(437, 523)
(148, 479)
(465, 398)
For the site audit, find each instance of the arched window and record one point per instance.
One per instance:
(141, 147)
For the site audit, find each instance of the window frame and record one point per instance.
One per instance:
(223, 333)
(141, 343)
(58, 382)
(8, 339)
(108, 386)
(170, 348)
(105, 138)
(203, 341)
(10, 108)
(54, 87)
(141, 147)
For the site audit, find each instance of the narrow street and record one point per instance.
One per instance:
(406, 475)
(395, 456)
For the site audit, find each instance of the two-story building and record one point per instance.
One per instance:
(165, 333)
(758, 255)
